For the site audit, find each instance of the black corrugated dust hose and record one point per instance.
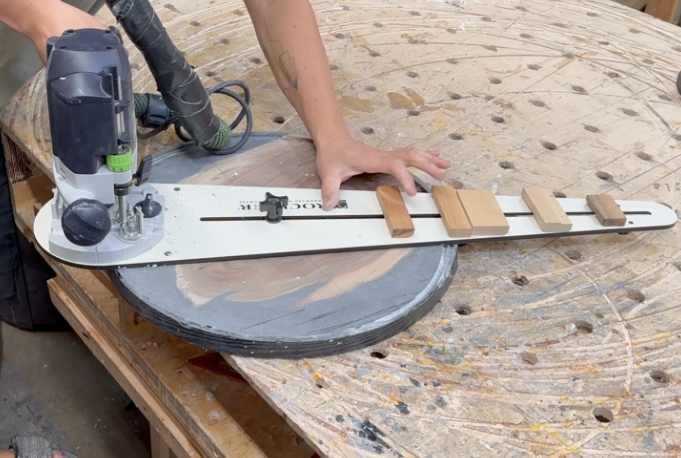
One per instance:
(185, 97)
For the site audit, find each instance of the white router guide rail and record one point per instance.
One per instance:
(216, 223)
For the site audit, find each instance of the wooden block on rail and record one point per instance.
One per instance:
(453, 215)
(546, 209)
(483, 212)
(606, 209)
(395, 211)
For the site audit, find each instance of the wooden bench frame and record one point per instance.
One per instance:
(150, 366)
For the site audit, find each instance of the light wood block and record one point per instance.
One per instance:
(546, 209)
(453, 215)
(606, 209)
(483, 211)
(395, 211)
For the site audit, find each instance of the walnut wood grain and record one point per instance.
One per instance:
(606, 209)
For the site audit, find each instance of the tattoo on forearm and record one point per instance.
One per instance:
(286, 63)
(288, 66)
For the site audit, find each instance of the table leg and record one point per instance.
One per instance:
(159, 449)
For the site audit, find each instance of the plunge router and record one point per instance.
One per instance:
(103, 210)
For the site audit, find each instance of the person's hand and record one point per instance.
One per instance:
(337, 161)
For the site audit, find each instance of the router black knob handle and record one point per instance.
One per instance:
(86, 222)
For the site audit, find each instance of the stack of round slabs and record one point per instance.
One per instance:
(292, 306)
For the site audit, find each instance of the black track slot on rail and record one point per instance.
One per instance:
(213, 219)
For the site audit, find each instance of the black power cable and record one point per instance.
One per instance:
(151, 111)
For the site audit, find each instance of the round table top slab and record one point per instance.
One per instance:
(291, 306)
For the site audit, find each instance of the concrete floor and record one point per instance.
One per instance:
(52, 385)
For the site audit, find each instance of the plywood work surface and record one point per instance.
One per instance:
(546, 347)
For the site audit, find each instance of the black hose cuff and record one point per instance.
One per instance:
(151, 110)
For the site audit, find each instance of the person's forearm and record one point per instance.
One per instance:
(288, 34)
(38, 20)
(25, 16)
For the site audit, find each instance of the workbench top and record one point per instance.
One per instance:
(543, 347)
